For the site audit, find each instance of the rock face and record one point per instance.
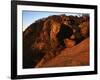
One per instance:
(47, 38)
(75, 56)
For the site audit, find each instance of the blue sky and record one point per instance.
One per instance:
(31, 16)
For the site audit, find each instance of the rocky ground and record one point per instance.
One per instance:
(75, 56)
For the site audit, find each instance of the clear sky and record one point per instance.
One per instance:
(31, 16)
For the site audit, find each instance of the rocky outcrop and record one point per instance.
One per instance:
(47, 38)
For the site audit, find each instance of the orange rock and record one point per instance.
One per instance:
(84, 28)
(69, 43)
